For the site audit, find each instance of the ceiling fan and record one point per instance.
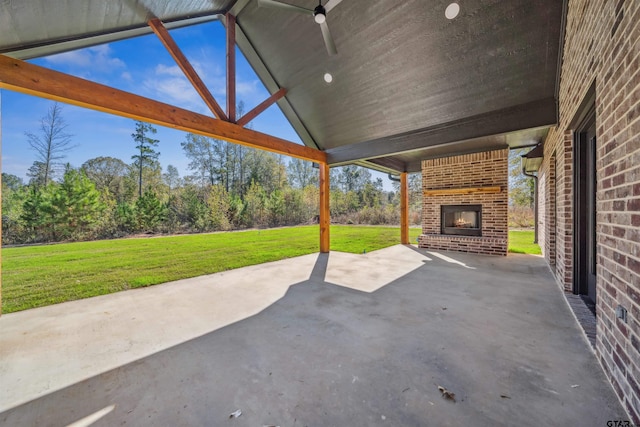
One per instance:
(319, 16)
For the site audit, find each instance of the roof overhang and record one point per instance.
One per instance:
(408, 83)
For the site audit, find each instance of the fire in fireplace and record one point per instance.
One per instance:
(465, 220)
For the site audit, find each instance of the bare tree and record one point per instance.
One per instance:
(51, 143)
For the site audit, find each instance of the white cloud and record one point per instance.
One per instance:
(165, 86)
(247, 88)
(78, 58)
(96, 59)
(178, 89)
(169, 70)
(102, 54)
(169, 84)
(217, 86)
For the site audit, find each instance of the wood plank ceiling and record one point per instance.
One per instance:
(408, 83)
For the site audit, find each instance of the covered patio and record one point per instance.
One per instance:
(386, 88)
(336, 339)
(329, 339)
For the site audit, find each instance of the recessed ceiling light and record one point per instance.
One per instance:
(328, 77)
(452, 10)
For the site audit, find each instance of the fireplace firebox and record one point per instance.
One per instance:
(462, 220)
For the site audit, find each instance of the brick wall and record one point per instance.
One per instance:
(556, 240)
(547, 209)
(602, 45)
(487, 169)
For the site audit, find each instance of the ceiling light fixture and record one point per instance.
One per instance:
(452, 11)
(319, 14)
(328, 77)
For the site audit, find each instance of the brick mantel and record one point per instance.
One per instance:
(470, 179)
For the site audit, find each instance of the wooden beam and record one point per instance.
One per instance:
(188, 70)
(404, 209)
(34, 80)
(325, 218)
(261, 107)
(231, 67)
(470, 190)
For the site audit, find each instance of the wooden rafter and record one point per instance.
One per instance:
(32, 79)
(231, 67)
(261, 107)
(163, 34)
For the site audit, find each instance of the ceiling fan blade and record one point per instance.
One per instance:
(284, 6)
(331, 4)
(328, 40)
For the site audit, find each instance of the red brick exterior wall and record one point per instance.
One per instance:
(487, 169)
(547, 209)
(602, 45)
(556, 223)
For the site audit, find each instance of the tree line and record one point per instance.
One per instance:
(521, 192)
(229, 187)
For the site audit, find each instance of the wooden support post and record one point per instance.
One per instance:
(231, 67)
(404, 209)
(325, 218)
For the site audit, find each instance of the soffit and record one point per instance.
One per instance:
(33, 28)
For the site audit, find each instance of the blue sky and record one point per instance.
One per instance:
(142, 66)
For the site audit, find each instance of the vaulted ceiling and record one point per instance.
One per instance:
(408, 83)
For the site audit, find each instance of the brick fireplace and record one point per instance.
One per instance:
(465, 203)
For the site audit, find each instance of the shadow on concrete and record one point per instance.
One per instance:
(320, 267)
(497, 336)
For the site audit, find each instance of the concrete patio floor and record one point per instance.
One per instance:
(318, 340)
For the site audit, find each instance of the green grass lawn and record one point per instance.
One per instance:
(35, 276)
(521, 242)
